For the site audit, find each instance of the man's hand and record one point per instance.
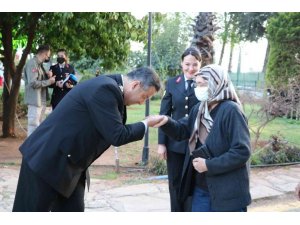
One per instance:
(162, 151)
(156, 120)
(52, 79)
(199, 165)
(68, 85)
(49, 73)
(60, 83)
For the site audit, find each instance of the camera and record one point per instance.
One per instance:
(71, 79)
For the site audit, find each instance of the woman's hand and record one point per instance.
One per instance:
(156, 120)
(199, 165)
(162, 151)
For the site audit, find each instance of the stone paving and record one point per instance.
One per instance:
(152, 196)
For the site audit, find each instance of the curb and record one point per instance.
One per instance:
(272, 197)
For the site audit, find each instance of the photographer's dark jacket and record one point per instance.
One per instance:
(83, 125)
(60, 73)
(227, 177)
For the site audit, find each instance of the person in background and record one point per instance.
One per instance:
(97, 73)
(82, 127)
(217, 173)
(37, 82)
(179, 98)
(61, 70)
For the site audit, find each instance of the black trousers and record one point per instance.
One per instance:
(35, 195)
(175, 166)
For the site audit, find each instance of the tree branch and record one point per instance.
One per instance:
(30, 37)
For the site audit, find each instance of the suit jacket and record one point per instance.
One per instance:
(227, 177)
(58, 93)
(176, 103)
(86, 122)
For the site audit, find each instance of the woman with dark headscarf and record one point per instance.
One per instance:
(216, 173)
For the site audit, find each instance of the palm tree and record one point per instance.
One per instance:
(204, 30)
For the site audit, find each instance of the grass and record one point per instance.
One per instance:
(109, 175)
(131, 154)
(290, 129)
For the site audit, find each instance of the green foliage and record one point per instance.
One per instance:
(251, 26)
(283, 33)
(170, 43)
(104, 36)
(169, 40)
(87, 65)
(277, 151)
(86, 76)
(100, 35)
(157, 166)
(137, 59)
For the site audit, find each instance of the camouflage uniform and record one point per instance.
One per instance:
(36, 92)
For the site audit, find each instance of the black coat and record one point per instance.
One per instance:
(227, 177)
(86, 122)
(58, 93)
(176, 103)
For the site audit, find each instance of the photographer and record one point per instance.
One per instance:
(63, 71)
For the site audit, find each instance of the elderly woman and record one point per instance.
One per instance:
(218, 180)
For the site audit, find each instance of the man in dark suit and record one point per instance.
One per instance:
(85, 123)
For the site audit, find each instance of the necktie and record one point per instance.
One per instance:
(189, 89)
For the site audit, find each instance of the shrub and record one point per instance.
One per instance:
(157, 96)
(21, 106)
(86, 76)
(277, 151)
(293, 154)
(157, 166)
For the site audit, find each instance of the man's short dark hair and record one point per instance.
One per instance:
(62, 50)
(147, 76)
(43, 48)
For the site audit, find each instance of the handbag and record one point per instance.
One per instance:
(202, 152)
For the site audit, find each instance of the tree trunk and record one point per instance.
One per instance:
(13, 74)
(224, 38)
(222, 52)
(230, 58)
(9, 110)
(266, 59)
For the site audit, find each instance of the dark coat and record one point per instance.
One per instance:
(86, 122)
(227, 177)
(176, 103)
(58, 93)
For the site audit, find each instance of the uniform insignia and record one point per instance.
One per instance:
(121, 88)
(34, 70)
(164, 93)
(178, 80)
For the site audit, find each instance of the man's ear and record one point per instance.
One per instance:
(135, 83)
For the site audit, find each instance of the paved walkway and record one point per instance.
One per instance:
(153, 195)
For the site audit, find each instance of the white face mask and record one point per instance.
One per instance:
(201, 93)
